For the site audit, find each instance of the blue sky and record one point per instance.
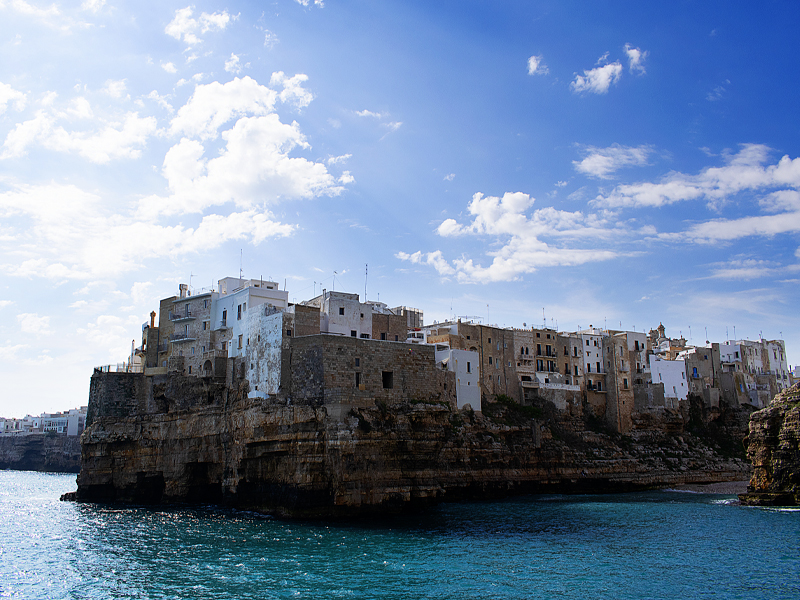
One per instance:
(605, 163)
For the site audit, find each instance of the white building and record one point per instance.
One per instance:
(236, 297)
(466, 365)
(672, 373)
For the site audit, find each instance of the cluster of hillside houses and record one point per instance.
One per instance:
(335, 346)
(70, 422)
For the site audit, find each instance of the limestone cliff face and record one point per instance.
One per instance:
(168, 439)
(40, 452)
(774, 449)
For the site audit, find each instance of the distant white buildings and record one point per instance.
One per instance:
(71, 422)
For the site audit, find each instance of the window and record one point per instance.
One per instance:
(388, 380)
(587, 342)
(288, 333)
(241, 337)
(203, 349)
(490, 340)
(353, 333)
(358, 362)
(599, 387)
(490, 360)
(566, 351)
(537, 334)
(205, 303)
(599, 370)
(467, 337)
(192, 350)
(575, 351)
(383, 336)
(224, 316)
(636, 345)
(358, 379)
(362, 315)
(364, 336)
(588, 367)
(576, 370)
(244, 307)
(539, 349)
(395, 338)
(469, 367)
(548, 336)
(509, 363)
(526, 350)
(205, 326)
(566, 368)
(239, 313)
(625, 383)
(341, 310)
(190, 369)
(521, 350)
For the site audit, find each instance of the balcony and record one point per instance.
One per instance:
(181, 337)
(222, 324)
(177, 317)
(212, 354)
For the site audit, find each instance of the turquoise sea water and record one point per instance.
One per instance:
(648, 545)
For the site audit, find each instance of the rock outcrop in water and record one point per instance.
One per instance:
(175, 439)
(774, 449)
(40, 452)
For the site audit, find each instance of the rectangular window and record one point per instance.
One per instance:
(388, 380)
(395, 338)
(244, 307)
(539, 349)
(358, 379)
(358, 362)
(575, 351)
(599, 370)
(490, 360)
(490, 340)
(341, 310)
(625, 383)
(353, 333)
(205, 303)
(566, 368)
(599, 387)
(587, 342)
(364, 336)
(239, 313)
(224, 316)
(192, 350)
(576, 370)
(469, 367)
(467, 337)
(241, 337)
(383, 336)
(205, 326)
(588, 367)
(288, 333)
(362, 315)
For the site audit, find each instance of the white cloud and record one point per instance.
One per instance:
(169, 67)
(536, 66)
(636, 59)
(232, 64)
(33, 323)
(745, 170)
(185, 27)
(346, 178)
(93, 5)
(160, 100)
(115, 88)
(319, 3)
(80, 108)
(214, 104)
(4, 303)
(450, 177)
(255, 166)
(335, 160)
(522, 249)
(67, 233)
(114, 141)
(270, 39)
(716, 94)
(34, 11)
(10, 96)
(293, 91)
(603, 162)
(747, 269)
(597, 80)
(369, 113)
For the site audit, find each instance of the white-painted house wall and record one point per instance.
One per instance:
(466, 365)
(263, 354)
(356, 317)
(672, 373)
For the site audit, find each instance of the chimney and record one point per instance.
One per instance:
(152, 319)
(183, 290)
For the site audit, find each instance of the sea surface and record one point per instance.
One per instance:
(663, 544)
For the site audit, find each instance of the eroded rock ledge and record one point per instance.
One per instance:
(174, 439)
(773, 446)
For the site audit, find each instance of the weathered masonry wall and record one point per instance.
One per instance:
(388, 327)
(327, 369)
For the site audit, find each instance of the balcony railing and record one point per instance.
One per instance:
(222, 324)
(181, 337)
(185, 316)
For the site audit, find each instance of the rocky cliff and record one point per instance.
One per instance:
(773, 446)
(40, 452)
(167, 439)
